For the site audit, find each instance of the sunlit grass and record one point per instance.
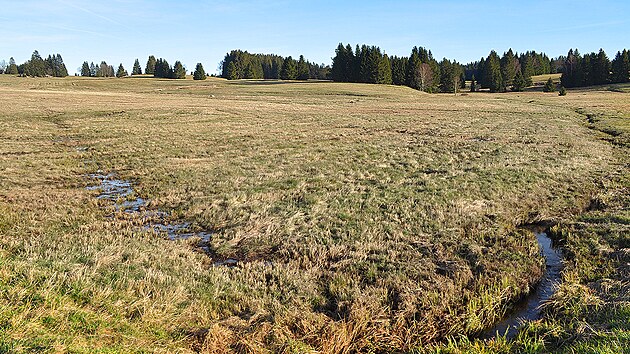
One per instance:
(365, 217)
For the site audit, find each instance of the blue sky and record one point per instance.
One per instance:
(203, 31)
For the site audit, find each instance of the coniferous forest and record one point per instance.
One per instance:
(369, 64)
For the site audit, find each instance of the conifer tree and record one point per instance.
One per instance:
(137, 70)
(85, 69)
(473, 84)
(562, 91)
(302, 69)
(399, 70)
(36, 66)
(601, 68)
(162, 69)
(384, 71)
(232, 74)
(493, 73)
(621, 67)
(121, 71)
(549, 86)
(179, 72)
(200, 73)
(150, 68)
(509, 67)
(12, 69)
(289, 69)
(519, 83)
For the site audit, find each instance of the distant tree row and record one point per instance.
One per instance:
(102, 70)
(36, 66)
(595, 69)
(240, 64)
(367, 64)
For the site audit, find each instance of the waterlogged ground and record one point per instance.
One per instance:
(363, 218)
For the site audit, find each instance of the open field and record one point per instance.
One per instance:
(364, 218)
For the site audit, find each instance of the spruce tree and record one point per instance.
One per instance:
(85, 69)
(137, 70)
(36, 66)
(12, 69)
(150, 68)
(200, 73)
(446, 76)
(621, 67)
(473, 84)
(519, 83)
(302, 69)
(562, 91)
(289, 69)
(509, 67)
(549, 86)
(384, 71)
(232, 74)
(493, 73)
(601, 68)
(121, 71)
(179, 72)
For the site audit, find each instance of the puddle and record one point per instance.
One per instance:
(122, 195)
(529, 308)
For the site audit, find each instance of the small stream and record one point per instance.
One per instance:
(124, 199)
(528, 308)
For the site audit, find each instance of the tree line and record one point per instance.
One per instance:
(595, 69)
(368, 64)
(239, 64)
(36, 66)
(159, 68)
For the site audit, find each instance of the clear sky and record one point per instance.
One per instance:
(203, 31)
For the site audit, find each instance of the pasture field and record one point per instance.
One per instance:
(364, 218)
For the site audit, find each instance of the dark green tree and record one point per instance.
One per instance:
(572, 72)
(289, 69)
(150, 68)
(302, 69)
(399, 70)
(549, 86)
(492, 72)
(519, 83)
(509, 67)
(85, 69)
(562, 91)
(384, 71)
(447, 76)
(342, 64)
(137, 70)
(121, 71)
(162, 69)
(621, 67)
(12, 69)
(232, 74)
(473, 84)
(179, 72)
(601, 68)
(200, 73)
(36, 66)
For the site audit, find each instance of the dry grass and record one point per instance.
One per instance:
(367, 218)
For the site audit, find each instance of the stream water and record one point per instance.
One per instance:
(528, 309)
(122, 195)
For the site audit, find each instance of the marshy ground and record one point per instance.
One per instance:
(364, 218)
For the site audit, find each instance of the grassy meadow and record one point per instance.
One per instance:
(365, 218)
